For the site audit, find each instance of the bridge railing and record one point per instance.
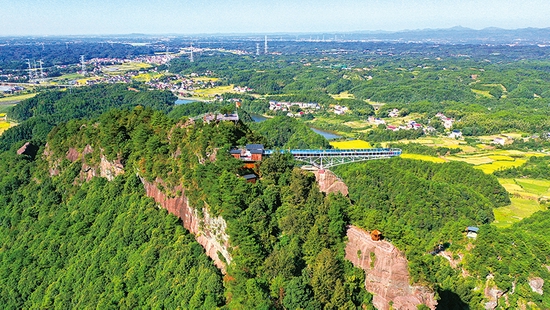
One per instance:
(339, 152)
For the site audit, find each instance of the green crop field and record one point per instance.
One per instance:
(526, 194)
(515, 212)
(17, 98)
(483, 93)
(539, 187)
(72, 76)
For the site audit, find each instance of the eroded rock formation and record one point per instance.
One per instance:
(209, 231)
(387, 274)
(330, 183)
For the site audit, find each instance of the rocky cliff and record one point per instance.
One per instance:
(330, 182)
(209, 231)
(387, 274)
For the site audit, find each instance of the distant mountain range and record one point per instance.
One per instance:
(454, 35)
(458, 35)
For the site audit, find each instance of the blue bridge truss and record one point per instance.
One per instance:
(329, 158)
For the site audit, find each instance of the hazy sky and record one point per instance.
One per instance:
(59, 17)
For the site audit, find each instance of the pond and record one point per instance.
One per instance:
(257, 117)
(183, 101)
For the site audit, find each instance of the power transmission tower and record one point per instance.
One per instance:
(82, 65)
(41, 69)
(30, 69)
(265, 45)
(191, 55)
(257, 49)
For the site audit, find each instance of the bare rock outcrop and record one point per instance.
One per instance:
(536, 285)
(108, 169)
(28, 149)
(329, 182)
(387, 274)
(209, 231)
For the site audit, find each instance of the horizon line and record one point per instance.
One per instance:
(379, 31)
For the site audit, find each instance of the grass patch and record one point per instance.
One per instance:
(72, 76)
(482, 93)
(357, 125)
(343, 95)
(17, 98)
(424, 157)
(353, 144)
(519, 209)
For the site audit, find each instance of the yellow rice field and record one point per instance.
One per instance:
(214, 91)
(494, 166)
(3, 126)
(424, 157)
(353, 144)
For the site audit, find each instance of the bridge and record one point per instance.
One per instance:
(319, 158)
(329, 158)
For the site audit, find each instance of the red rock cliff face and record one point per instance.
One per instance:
(387, 274)
(209, 231)
(330, 183)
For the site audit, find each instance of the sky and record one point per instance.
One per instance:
(96, 17)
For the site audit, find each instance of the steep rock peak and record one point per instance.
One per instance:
(387, 274)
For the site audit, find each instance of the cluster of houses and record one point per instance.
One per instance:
(8, 89)
(340, 110)
(13, 78)
(447, 121)
(410, 125)
(285, 107)
(212, 117)
(242, 89)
